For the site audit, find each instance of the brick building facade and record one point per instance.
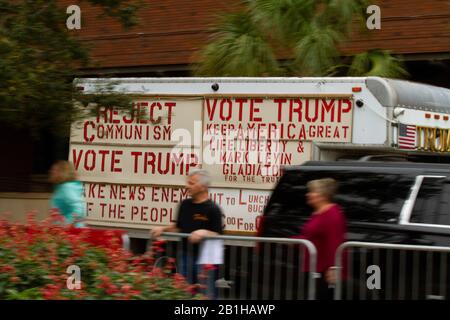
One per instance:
(171, 32)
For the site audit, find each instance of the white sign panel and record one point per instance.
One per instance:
(134, 165)
(152, 122)
(140, 207)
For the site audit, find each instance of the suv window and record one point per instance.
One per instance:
(372, 196)
(364, 196)
(432, 202)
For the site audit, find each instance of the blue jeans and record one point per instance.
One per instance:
(212, 276)
(190, 270)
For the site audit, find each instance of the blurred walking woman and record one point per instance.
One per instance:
(68, 193)
(326, 229)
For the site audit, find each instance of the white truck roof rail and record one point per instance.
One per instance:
(389, 92)
(409, 95)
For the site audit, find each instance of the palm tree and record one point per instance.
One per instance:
(292, 38)
(240, 49)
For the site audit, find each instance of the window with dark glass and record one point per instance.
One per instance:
(373, 196)
(364, 196)
(432, 202)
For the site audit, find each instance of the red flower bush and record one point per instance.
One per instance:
(34, 258)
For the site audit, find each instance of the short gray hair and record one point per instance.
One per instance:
(326, 187)
(204, 177)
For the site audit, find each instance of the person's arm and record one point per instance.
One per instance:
(330, 275)
(198, 235)
(157, 231)
(174, 227)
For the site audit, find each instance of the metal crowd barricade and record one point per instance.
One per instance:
(253, 268)
(381, 271)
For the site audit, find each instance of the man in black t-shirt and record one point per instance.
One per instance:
(200, 219)
(198, 216)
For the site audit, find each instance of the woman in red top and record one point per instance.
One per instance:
(326, 229)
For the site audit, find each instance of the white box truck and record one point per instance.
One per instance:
(243, 131)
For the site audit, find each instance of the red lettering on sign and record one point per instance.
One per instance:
(240, 103)
(85, 131)
(280, 106)
(319, 131)
(76, 158)
(241, 201)
(91, 193)
(134, 212)
(131, 119)
(342, 109)
(132, 190)
(211, 109)
(152, 110)
(254, 110)
(170, 106)
(336, 133)
(308, 113)
(114, 113)
(328, 131)
(345, 131)
(155, 194)
(112, 211)
(101, 190)
(93, 156)
(136, 155)
(226, 117)
(297, 110)
(326, 108)
(103, 153)
(102, 112)
(141, 112)
(103, 205)
(291, 135)
(115, 161)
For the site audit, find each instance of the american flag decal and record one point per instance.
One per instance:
(406, 136)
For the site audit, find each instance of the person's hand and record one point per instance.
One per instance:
(198, 235)
(330, 275)
(156, 232)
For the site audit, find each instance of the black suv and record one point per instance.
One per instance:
(388, 202)
(384, 202)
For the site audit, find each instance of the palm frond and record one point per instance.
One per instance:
(348, 9)
(317, 51)
(243, 44)
(238, 49)
(342, 13)
(377, 63)
(285, 18)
